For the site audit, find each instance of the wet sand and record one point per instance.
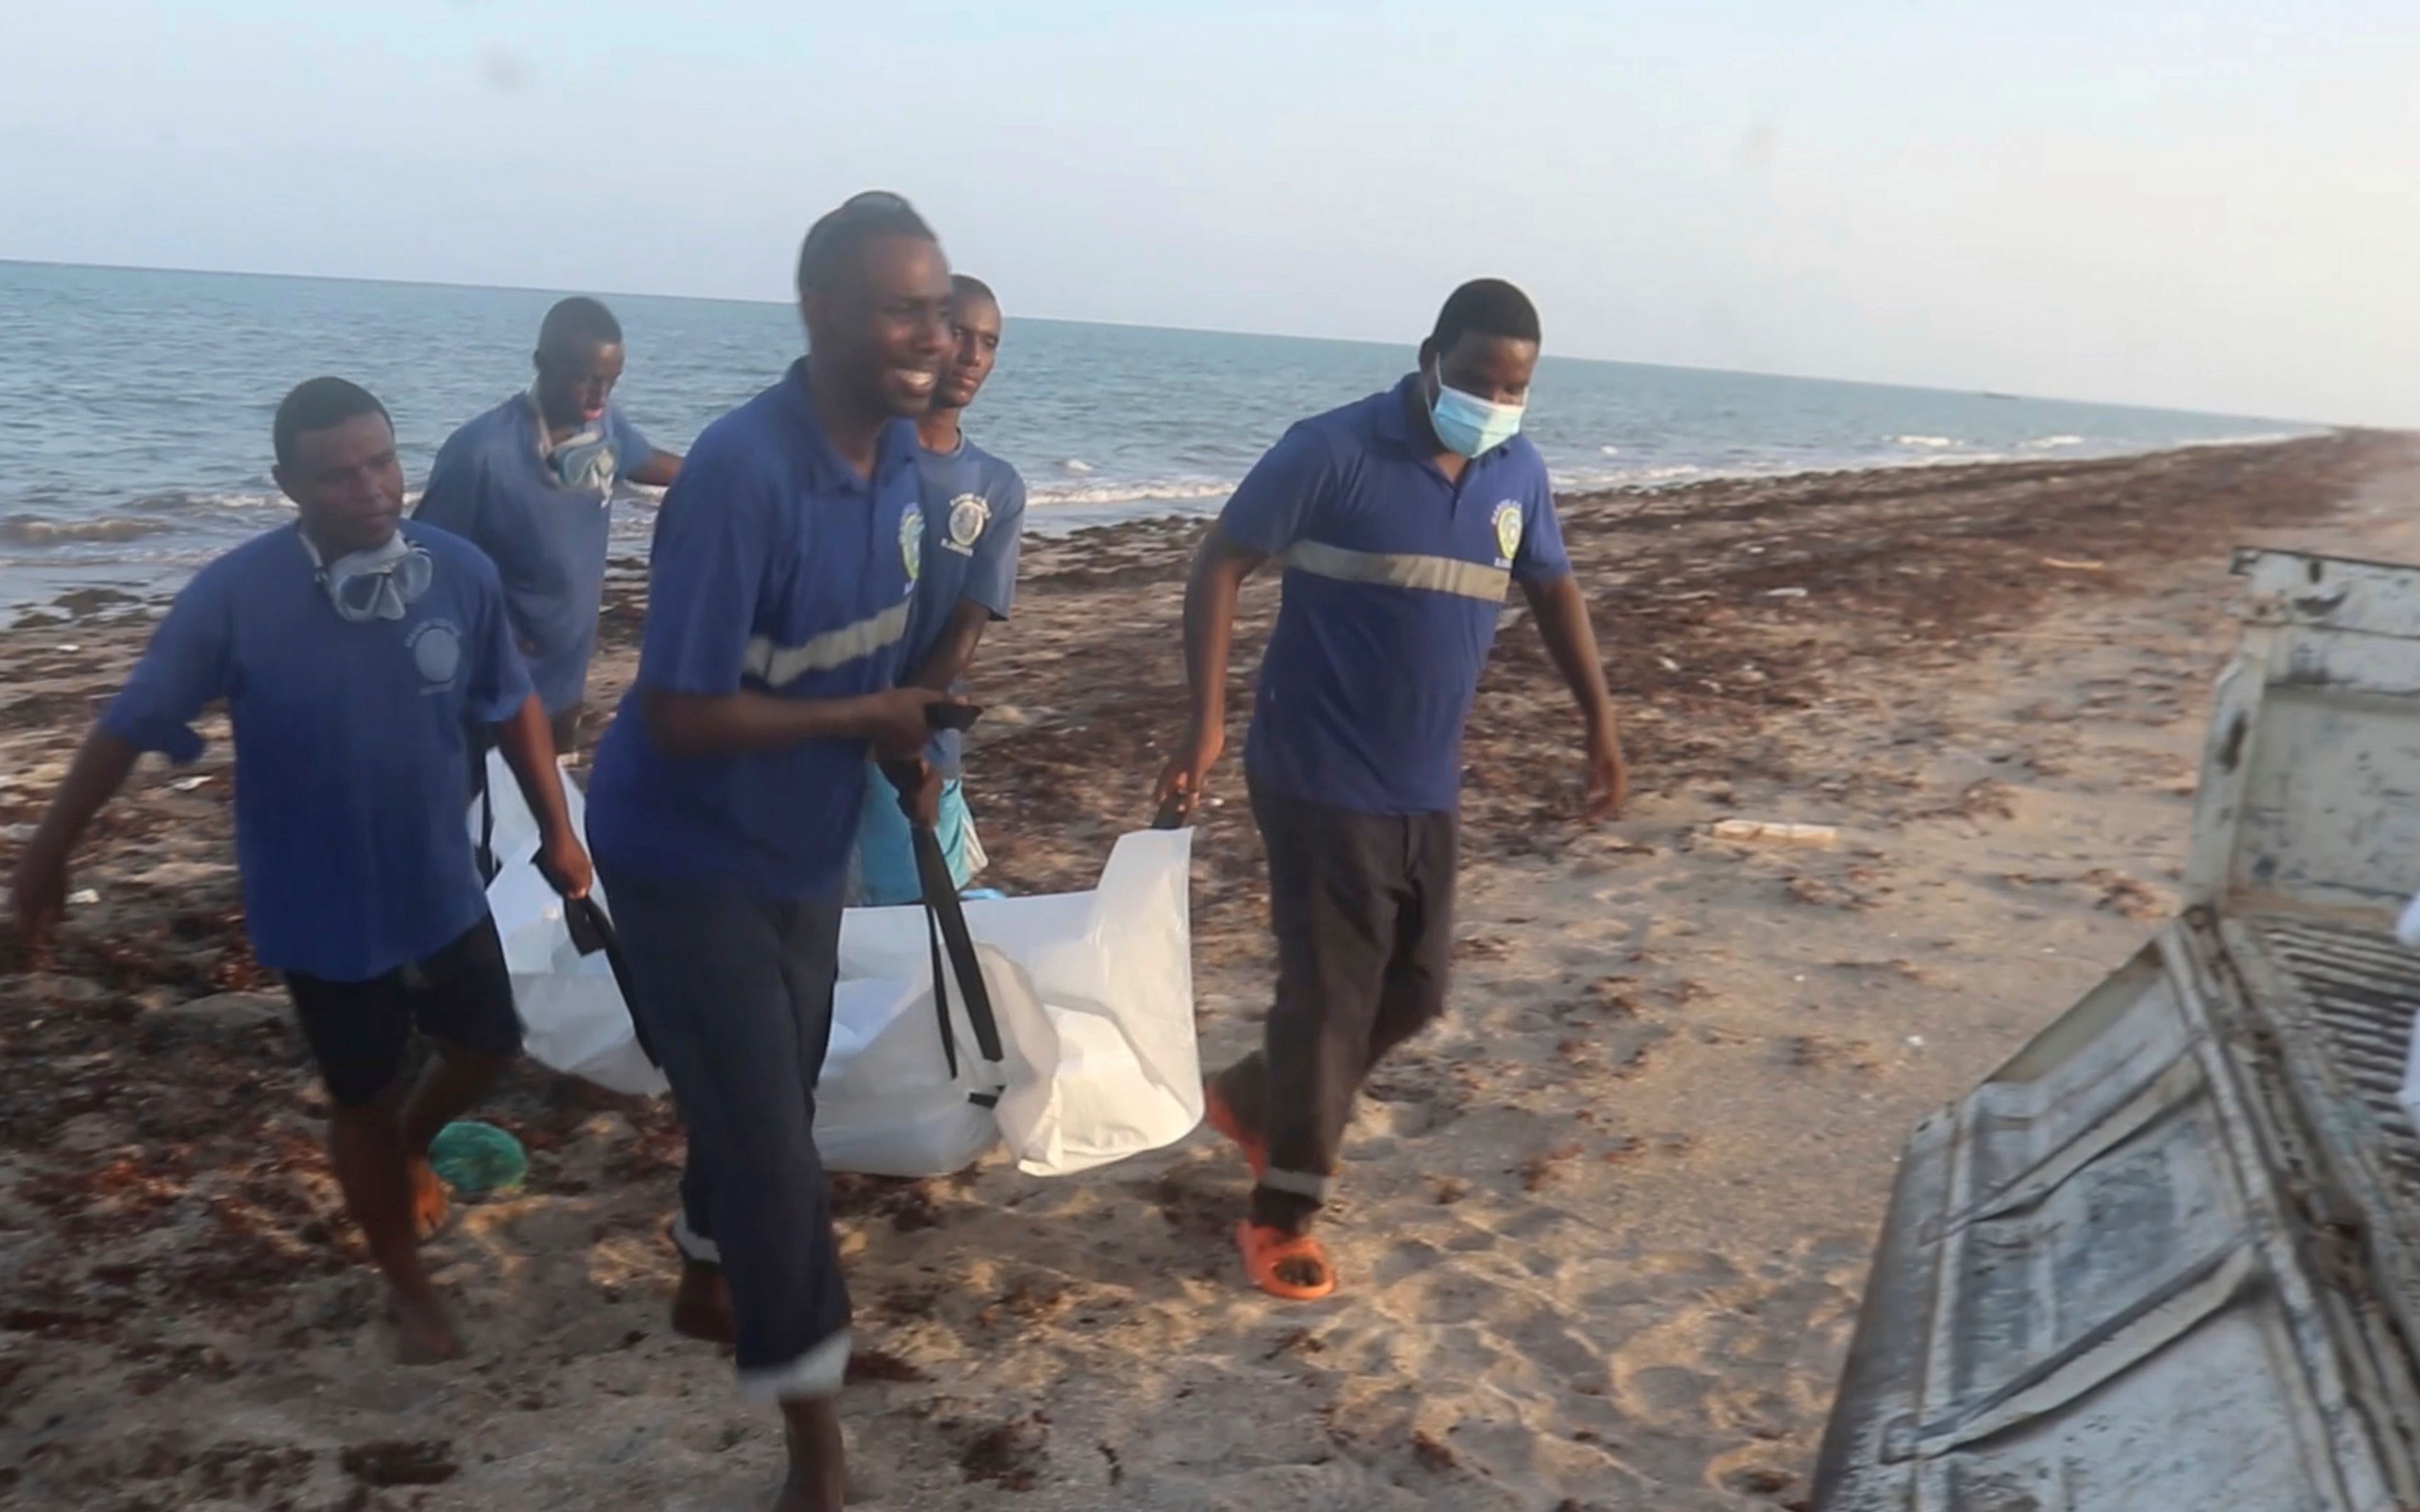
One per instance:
(1602, 1234)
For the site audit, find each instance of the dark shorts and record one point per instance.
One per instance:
(361, 1031)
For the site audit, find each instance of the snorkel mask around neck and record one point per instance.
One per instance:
(583, 462)
(377, 583)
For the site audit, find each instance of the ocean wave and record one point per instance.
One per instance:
(1596, 480)
(189, 502)
(2052, 444)
(1169, 492)
(1925, 440)
(1076, 465)
(36, 530)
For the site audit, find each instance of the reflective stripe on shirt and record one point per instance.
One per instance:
(778, 666)
(1397, 569)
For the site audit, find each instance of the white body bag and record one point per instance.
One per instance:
(1088, 1055)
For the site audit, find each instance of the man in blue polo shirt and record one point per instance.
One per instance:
(974, 513)
(530, 483)
(350, 652)
(1401, 522)
(725, 793)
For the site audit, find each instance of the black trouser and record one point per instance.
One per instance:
(1362, 906)
(736, 993)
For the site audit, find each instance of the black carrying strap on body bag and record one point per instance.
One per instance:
(476, 738)
(592, 931)
(953, 947)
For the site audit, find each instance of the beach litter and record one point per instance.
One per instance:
(1775, 833)
(84, 895)
(473, 1158)
(1785, 592)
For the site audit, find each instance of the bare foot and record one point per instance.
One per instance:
(702, 1306)
(423, 1335)
(430, 1206)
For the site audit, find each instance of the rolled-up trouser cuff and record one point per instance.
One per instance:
(819, 1372)
(1300, 1184)
(693, 1245)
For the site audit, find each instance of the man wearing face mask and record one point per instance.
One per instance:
(530, 483)
(1401, 522)
(727, 790)
(351, 652)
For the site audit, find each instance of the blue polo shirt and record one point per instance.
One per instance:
(974, 515)
(348, 745)
(775, 568)
(491, 486)
(1393, 581)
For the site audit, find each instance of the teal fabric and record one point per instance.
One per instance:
(885, 873)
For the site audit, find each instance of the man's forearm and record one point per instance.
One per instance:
(1562, 616)
(718, 724)
(528, 744)
(1210, 595)
(955, 651)
(658, 471)
(99, 770)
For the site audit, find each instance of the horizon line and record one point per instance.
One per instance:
(1204, 331)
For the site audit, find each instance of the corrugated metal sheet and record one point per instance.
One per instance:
(2169, 1256)
(2091, 1297)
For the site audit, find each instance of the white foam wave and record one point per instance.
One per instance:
(1925, 440)
(36, 530)
(2052, 444)
(1609, 450)
(1076, 465)
(1168, 490)
(203, 502)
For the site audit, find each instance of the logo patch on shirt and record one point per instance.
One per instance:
(1508, 529)
(437, 653)
(911, 541)
(969, 513)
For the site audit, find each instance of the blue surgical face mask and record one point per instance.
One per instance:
(1469, 425)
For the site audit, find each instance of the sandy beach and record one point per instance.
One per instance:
(1602, 1235)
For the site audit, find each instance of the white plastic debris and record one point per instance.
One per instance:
(187, 784)
(1777, 833)
(84, 895)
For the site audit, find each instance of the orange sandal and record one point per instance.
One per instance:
(1265, 1249)
(1223, 1117)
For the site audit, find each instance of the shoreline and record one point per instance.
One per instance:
(1043, 524)
(1603, 1234)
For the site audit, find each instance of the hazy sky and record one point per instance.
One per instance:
(2211, 205)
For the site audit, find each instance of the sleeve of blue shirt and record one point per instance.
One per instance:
(704, 574)
(1272, 507)
(630, 445)
(499, 683)
(450, 501)
(181, 671)
(991, 577)
(1541, 558)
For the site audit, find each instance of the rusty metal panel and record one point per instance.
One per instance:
(2310, 790)
(2090, 1295)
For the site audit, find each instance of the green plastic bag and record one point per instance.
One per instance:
(475, 1158)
